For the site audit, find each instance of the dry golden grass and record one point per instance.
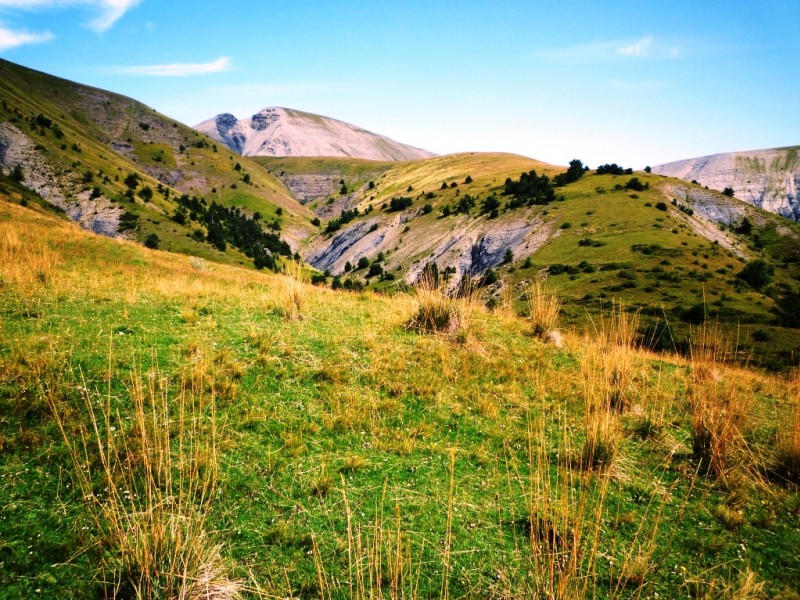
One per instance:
(439, 312)
(159, 476)
(608, 367)
(293, 284)
(746, 587)
(719, 405)
(25, 260)
(543, 307)
(787, 454)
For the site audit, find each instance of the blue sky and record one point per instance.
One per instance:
(633, 82)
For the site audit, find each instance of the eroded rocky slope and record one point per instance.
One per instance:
(769, 179)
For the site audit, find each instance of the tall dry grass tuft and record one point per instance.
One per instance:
(293, 285)
(602, 432)
(719, 407)
(439, 312)
(787, 453)
(746, 587)
(503, 304)
(379, 559)
(148, 482)
(558, 508)
(544, 307)
(568, 525)
(608, 367)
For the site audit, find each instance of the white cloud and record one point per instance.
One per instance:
(640, 48)
(110, 11)
(178, 69)
(12, 39)
(646, 47)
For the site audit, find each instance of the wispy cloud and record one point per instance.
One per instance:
(645, 47)
(641, 47)
(13, 39)
(110, 11)
(223, 63)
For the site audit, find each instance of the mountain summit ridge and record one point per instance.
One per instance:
(279, 131)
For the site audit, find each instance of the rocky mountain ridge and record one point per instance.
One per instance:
(276, 131)
(769, 179)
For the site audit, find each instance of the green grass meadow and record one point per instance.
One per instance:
(343, 454)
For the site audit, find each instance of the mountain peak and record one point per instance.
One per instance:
(278, 131)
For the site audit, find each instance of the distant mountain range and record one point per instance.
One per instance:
(278, 131)
(769, 179)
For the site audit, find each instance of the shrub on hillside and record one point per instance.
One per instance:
(696, 313)
(152, 241)
(572, 174)
(757, 273)
(636, 185)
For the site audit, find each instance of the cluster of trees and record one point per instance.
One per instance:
(400, 203)
(41, 123)
(530, 189)
(343, 219)
(349, 284)
(636, 185)
(491, 206)
(613, 169)
(128, 221)
(465, 204)
(231, 226)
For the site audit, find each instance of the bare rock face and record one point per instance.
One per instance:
(769, 179)
(285, 132)
(468, 246)
(99, 215)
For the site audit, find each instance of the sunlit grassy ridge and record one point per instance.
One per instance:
(92, 138)
(355, 456)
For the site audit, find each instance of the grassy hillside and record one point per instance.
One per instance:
(78, 145)
(176, 426)
(672, 249)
